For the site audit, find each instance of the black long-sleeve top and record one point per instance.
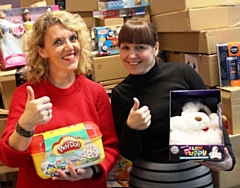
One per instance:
(153, 90)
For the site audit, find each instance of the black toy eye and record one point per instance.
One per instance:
(203, 111)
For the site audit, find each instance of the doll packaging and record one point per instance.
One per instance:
(196, 125)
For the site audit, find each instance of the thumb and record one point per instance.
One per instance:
(30, 93)
(136, 104)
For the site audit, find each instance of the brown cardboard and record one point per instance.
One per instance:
(2, 125)
(6, 6)
(197, 19)
(197, 42)
(108, 68)
(7, 89)
(81, 5)
(28, 3)
(231, 178)
(87, 17)
(106, 22)
(163, 6)
(7, 86)
(207, 66)
(231, 107)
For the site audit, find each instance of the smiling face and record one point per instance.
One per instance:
(61, 48)
(138, 58)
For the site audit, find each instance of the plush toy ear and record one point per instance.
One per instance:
(178, 123)
(214, 120)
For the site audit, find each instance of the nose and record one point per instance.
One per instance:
(132, 53)
(68, 45)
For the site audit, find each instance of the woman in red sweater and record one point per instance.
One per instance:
(58, 94)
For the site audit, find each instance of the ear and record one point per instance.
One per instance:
(41, 51)
(156, 49)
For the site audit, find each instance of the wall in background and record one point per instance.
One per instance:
(15, 3)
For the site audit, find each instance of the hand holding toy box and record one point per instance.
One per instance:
(80, 144)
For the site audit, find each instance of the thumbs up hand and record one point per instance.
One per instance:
(139, 118)
(37, 111)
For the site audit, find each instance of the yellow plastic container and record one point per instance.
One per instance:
(80, 144)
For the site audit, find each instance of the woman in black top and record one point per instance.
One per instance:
(141, 111)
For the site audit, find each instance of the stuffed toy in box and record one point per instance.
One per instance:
(196, 125)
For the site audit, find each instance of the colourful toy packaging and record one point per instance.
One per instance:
(121, 4)
(196, 125)
(229, 63)
(80, 144)
(119, 175)
(107, 40)
(15, 24)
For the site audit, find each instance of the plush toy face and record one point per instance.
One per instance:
(197, 120)
(196, 125)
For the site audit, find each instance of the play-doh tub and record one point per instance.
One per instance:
(80, 143)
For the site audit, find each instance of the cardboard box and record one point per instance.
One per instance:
(87, 17)
(231, 107)
(195, 125)
(109, 21)
(28, 3)
(2, 127)
(121, 4)
(163, 6)
(197, 19)
(6, 6)
(229, 63)
(7, 86)
(231, 178)
(205, 65)
(108, 68)
(197, 42)
(81, 5)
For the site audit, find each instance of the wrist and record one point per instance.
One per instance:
(94, 171)
(23, 132)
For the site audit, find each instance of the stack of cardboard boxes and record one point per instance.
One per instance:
(189, 31)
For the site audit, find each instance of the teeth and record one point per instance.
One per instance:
(133, 63)
(69, 57)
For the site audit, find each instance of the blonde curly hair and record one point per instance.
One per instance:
(37, 67)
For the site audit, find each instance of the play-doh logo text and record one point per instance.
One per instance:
(68, 144)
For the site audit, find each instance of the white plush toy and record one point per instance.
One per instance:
(196, 125)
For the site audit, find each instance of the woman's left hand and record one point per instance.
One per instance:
(74, 174)
(226, 164)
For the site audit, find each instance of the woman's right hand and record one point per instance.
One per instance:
(37, 111)
(139, 118)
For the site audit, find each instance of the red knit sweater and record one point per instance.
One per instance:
(85, 100)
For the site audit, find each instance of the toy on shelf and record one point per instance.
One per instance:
(11, 49)
(107, 40)
(28, 24)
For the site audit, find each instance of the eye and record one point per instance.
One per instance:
(58, 41)
(140, 47)
(124, 47)
(73, 37)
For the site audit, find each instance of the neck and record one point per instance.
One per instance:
(63, 81)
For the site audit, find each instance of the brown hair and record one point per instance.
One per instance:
(37, 68)
(138, 31)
